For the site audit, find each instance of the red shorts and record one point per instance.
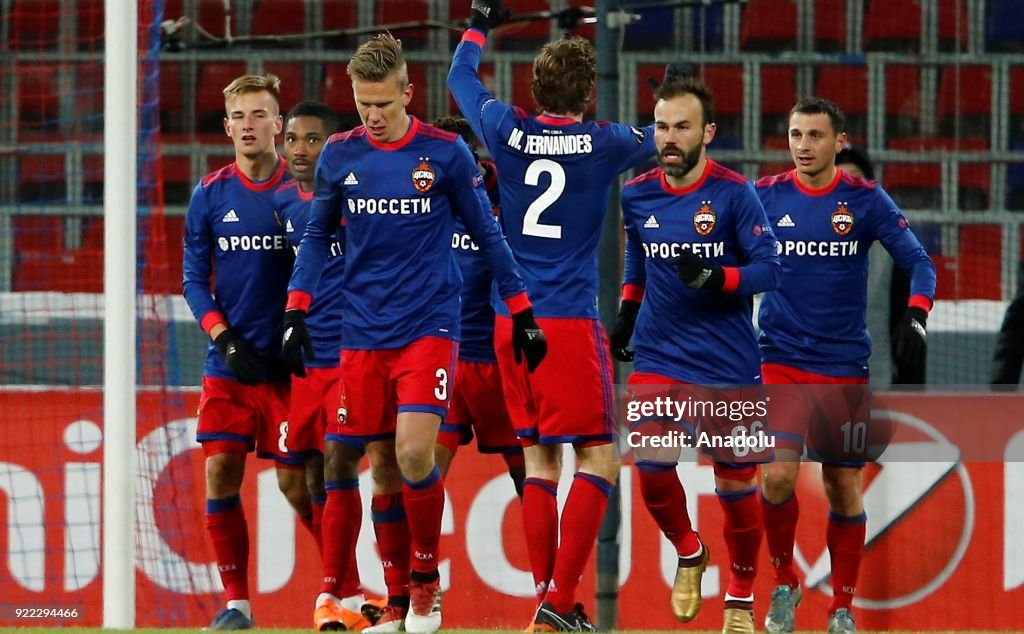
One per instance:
(315, 401)
(570, 397)
(714, 413)
(831, 413)
(376, 385)
(236, 418)
(478, 407)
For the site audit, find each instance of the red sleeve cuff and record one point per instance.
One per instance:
(732, 279)
(632, 293)
(475, 36)
(920, 301)
(210, 320)
(299, 300)
(517, 303)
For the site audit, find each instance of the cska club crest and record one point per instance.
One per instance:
(423, 176)
(704, 219)
(842, 220)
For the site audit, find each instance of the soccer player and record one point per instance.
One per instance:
(478, 401)
(232, 228)
(814, 333)
(337, 508)
(554, 174)
(398, 184)
(698, 247)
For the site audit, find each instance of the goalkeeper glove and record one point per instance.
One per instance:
(238, 357)
(486, 14)
(622, 332)
(696, 273)
(528, 340)
(295, 342)
(911, 345)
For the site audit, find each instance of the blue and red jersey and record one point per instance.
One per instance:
(326, 310)
(237, 261)
(695, 335)
(399, 202)
(555, 176)
(477, 313)
(817, 319)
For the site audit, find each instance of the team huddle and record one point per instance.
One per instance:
(385, 292)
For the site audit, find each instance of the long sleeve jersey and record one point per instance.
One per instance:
(817, 319)
(237, 262)
(695, 335)
(399, 202)
(555, 176)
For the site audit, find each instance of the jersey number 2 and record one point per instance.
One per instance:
(532, 225)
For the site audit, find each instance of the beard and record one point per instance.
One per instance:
(689, 160)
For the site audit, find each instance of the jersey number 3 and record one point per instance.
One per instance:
(532, 225)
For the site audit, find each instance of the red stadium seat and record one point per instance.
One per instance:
(38, 97)
(337, 91)
(338, 15)
(89, 25)
(954, 22)
(973, 178)
(211, 17)
(914, 185)
(34, 24)
(388, 12)
(40, 233)
(847, 85)
(893, 25)
(522, 96)
(769, 25)
(41, 178)
(965, 100)
(172, 104)
(278, 17)
(515, 36)
(778, 94)
(291, 82)
(945, 273)
(902, 100)
(1016, 104)
(726, 82)
(177, 179)
(980, 262)
(213, 78)
(829, 25)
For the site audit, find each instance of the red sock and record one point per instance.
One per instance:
(666, 501)
(845, 540)
(581, 520)
(393, 542)
(780, 529)
(344, 507)
(229, 534)
(316, 527)
(744, 525)
(540, 524)
(424, 505)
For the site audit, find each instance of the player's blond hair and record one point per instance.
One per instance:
(379, 59)
(564, 74)
(254, 83)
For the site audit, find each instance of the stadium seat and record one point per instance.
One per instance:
(902, 100)
(211, 17)
(778, 94)
(177, 179)
(34, 24)
(726, 82)
(965, 100)
(213, 78)
(69, 271)
(847, 85)
(914, 185)
(954, 23)
(39, 233)
(92, 183)
(769, 26)
(973, 178)
(775, 143)
(1015, 181)
(389, 12)
(38, 97)
(945, 275)
(337, 91)
(338, 15)
(172, 103)
(1004, 30)
(516, 36)
(1016, 104)
(87, 99)
(829, 26)
(292, 91)
(278, 17)
(41, 178)
(893, 25)
(980, 262)
(89, 24)
(522, 96)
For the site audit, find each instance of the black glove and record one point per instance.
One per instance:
(911, 346)
(528, 340)
(696, 273)
(296, 340)
(622, 332)
(238, 357)
(486, 14)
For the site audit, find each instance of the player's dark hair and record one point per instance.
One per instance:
(564, 74)
(858, 157)
(674, 87)
(817, 105)
(315, 109)
(457, 123)
(378, 59)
